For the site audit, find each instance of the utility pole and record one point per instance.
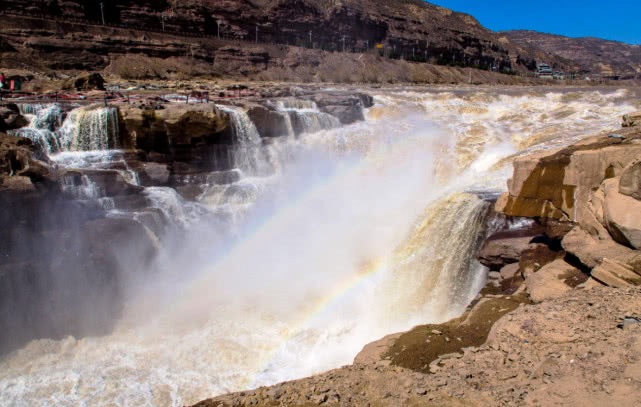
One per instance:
(256, 33)
(102, 12)
(343, 43)
(218, 24)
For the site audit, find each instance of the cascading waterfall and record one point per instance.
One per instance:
(83, 129)
(90, 129)
(362, 231)
(248, 156)
(44, 119)
(305, 115)
(434, 272)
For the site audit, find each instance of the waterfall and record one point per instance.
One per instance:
(83, 129)
(325, 243)
(81, 187)
(303, 116)
(44, 119)
(248, 154)
(433, 272)
(89, 129)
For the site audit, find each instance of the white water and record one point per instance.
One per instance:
(307, 115)
(357, 232)
(83, 128)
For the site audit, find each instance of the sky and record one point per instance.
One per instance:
(618, 20)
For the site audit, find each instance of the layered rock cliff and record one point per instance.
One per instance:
(69, 37)
(592, 188)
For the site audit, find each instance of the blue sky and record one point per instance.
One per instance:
(613, 20)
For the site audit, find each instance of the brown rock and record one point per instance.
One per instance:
(548, 282)
(268, 122)
(535, 256)
(346, 114)
(108, 182)
(11, 119)
(630, 183)
(621, 215)
(632, 119)
(510, 271)
(184, 127)
(85, 82)
(555, 229)
(591, 251)
(505, 247)
(16, 184)
(558, 184)
(615, 274)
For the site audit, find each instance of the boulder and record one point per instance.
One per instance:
(549, 281)
(591, 251)
(85, 82)
(11, 119)
(108, 183)
(621, 215)
(186, 132)
(630, 183)
(555, 229)
(615, 274)
(346, 114)
(510, 271)
(535, 256)
(557, 184)
(268, 122)
(501, 249)
(20, 156)
(153, 174)
(16, 184)
(632, 119)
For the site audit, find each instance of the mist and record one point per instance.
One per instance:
(325, 242)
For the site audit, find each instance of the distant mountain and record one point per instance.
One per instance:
(590, 54)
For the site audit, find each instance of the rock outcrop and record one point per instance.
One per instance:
(85, 82)
(593, 187)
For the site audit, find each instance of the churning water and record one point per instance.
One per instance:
(341, 235)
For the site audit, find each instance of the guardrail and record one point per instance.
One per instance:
(189, 97)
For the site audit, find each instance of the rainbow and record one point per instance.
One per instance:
(376, 161)
(339, 291)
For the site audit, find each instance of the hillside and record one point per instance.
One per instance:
(405, 29)
(595, 55)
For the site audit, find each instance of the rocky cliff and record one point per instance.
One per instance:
(410, 30)
(593, 55)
